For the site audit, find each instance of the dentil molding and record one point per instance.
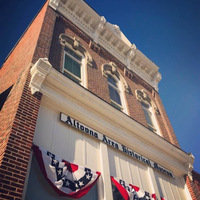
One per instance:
(108, 36)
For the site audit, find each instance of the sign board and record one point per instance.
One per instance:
(99, 136)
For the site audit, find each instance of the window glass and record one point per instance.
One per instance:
(73, 54)
(72, 65)
(112, 81)
(114, 95)
(114, 92)
(148, 115)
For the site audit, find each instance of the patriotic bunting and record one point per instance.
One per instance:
(75, 181)
(154, 196)
(131, 192)
(122, 189)
(67, 179)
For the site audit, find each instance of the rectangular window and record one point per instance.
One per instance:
(114, 93)
(72, 65)
(148, 116)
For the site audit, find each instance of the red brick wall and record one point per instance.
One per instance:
(19, 113)
(194, 185)
(16, 64)
(164, 123)
(196, 178)
(16, 157)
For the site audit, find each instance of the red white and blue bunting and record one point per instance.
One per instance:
(131, 192)
(66, 179)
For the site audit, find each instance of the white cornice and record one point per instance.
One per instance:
(110, 37)
(71, 98)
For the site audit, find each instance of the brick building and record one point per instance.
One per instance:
(194, 185)
(76, 87)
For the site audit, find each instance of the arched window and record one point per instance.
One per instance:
(149, 109)
(115, 93)
(148, 116)
(75, 60)
(72, 66)
(117, 86)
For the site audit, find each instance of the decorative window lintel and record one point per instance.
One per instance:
(74, 43)
(143, 97)
(111, 69)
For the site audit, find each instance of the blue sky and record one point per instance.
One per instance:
(167, 32)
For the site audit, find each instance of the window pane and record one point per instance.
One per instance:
(112, 80)
(76, 69)
(114, 95)
(71, 77)
(68, 63)
(73, 54)
(72, 66)
(148, 117)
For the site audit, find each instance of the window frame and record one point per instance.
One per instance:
(152, 109)
(116, 105)
(148, 110)
(117, 89)
(80, 79)
(110, 69)
(73, 44)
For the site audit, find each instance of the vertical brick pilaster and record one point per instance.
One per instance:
(19, 113)
(15, 159)
(194, 185)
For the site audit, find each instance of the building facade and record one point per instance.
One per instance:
(75, 86)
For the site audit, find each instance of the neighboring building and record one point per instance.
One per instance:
(194, 185)
(75, 86)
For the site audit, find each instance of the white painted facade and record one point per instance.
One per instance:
(60, 94)
(79, 148)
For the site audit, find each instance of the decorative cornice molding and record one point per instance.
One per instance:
(99, 29)
(54, 4)
(110, 37)
(189, 165)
